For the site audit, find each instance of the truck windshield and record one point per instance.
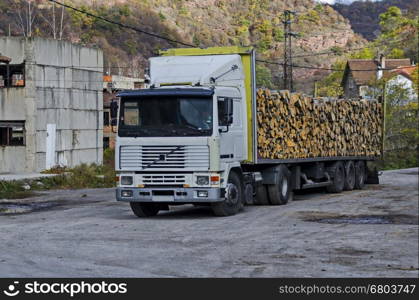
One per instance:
(165, 116)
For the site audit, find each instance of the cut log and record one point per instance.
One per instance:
(292, 125)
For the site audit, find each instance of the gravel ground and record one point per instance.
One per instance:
(83, 233)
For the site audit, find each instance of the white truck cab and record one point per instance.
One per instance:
(179, 140)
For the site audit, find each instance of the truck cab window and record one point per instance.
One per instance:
(166, 116)
(131, 114)
(225, 111)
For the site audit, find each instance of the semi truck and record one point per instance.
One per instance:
(191, 138)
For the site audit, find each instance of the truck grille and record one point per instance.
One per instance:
(164, 157)
(164, 179)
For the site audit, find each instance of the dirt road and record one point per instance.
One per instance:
(373, 232)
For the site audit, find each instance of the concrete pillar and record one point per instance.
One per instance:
(30, 106)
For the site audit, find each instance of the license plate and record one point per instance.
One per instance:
(163, 198)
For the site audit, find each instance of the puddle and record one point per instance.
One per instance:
(10, 208)
(14, 207)
(365, 219)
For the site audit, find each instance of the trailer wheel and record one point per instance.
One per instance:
(261, 195)
(359, 175)
(349, 176)
(338, 178)
(233, 202)
(143, 210)
(280, 192)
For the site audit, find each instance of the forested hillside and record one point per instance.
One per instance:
(199, 22)
(363, 15)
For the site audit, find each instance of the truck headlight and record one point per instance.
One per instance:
(203, 194)
(202, 180)
(126, 180)
(126, 194)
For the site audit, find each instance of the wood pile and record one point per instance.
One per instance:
(298, 126)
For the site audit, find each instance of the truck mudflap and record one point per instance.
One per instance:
(170, 195)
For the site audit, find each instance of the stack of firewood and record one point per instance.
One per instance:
(298, 126)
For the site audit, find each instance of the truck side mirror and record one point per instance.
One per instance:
(114, 110)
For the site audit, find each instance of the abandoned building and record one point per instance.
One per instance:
(112, 84)
(51, 104)
(360, 75)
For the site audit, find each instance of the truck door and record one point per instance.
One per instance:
(231, 129)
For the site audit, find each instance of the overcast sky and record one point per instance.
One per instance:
(344, 1)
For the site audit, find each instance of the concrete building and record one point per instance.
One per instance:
(51, 104)
(112, 84)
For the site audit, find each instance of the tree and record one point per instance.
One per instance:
(57, 26)
(391, 19)
(25, 12)
(263, 77)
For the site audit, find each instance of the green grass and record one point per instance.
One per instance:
(400, 159)
(80, 177)
(14, 190)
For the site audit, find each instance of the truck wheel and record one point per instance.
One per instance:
(359, 175)
(338, 178)
(143, 210)
(349, 176)
(262, 195)
(280, 192)
(233, 202)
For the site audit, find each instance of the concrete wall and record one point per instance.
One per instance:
(65, 82)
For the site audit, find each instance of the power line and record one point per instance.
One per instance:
(123, 25)
(320, 68)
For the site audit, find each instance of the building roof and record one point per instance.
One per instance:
(364, 71)
(404, 71)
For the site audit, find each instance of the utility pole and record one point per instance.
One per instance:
(288, 35)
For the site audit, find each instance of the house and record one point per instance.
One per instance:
(402, 77)
(112, 84)
(361, 74)
(51, 104)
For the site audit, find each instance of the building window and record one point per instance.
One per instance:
(12, 133)
(12, 75)
(105, 143)
(106, 118)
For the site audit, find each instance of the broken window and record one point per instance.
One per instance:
(106, 118)
(105, 142)
(12, 133)
(12, 75)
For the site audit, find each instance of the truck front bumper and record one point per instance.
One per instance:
(170, 195)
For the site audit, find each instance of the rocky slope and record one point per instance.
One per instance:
(203, 23)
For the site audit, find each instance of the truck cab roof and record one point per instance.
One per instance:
(178, 91)
(204, 70)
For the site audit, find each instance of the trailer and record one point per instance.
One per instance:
(191, 138)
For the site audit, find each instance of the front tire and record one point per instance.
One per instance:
(280, 192)
(144, 210)
(233, 202)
